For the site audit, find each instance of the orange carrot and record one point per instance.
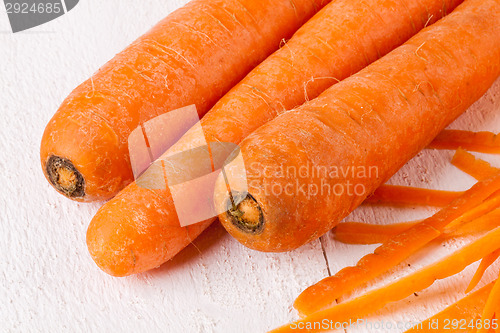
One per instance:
(482, 142)
(466, 310)
(491, 309)
(194, 56)
(394, 251)
(485, 263)
(365, 233)
(341, 39)
(472, 165)
(407, 195)
(402, 288)
(359, 132)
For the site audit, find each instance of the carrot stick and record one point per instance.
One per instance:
(472, 165)
(404, 287)
(340, 40)
(467, 309)
(491, 308)
(353, 131)
(194, 56)
(485, 263)
(407, 195)
(365, 233)
(483, 223)
(398, 248)
(482, 142)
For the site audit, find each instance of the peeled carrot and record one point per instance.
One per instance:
(362, 130)
(491, 309)
(485, 263)
(407, 195)
(481, 224)
(482, 142)
(341, 39)
(194, 56)
(475, 167)
(402, 288)
(466, 208)
(466, 310)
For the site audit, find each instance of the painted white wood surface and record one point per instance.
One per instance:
(48, 282)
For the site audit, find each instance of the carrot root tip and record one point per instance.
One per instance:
(65, 177)
(246, 215)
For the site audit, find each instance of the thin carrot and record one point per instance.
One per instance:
(485, 263)
(407, 195)
(482, 142)
(193, 56)
(466, 310)
(491, 308)
(402, 288)
(365, 233)
(472, 165)
(353, 131)
(398, 248)
(340, 40)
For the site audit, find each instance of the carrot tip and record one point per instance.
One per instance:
(246, 215)
(63, 175)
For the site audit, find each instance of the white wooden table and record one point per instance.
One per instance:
(49, 283)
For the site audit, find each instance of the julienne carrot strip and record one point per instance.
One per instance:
(491, 308)
(365, 233)
(472, 165)
(352, 126)
(467, 309)
(485, 263)
(407, 195)
(376, 299)
(482, 142)
(193, 56)
(341, 39)
(478, 200)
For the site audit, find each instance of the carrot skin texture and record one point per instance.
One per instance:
(380, 117)
(193, 56)
(336, 51)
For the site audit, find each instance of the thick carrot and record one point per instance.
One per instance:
(402, 288)
(466, 310)
(482, 142)
(491, 308)
(358, 133)
(340, 40)
(472, 165)
(485, 263)
(398, 248)
(407, 195)
(194, 56)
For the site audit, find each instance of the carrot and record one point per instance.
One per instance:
(491, 309)
(472, 165)
(341, 39)
(365, 233)
(407, 195)
(359, 132)
(485, 263)
(194, 56)
(402, 288)
(482, 142)
(466, 208)
(466, 310)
